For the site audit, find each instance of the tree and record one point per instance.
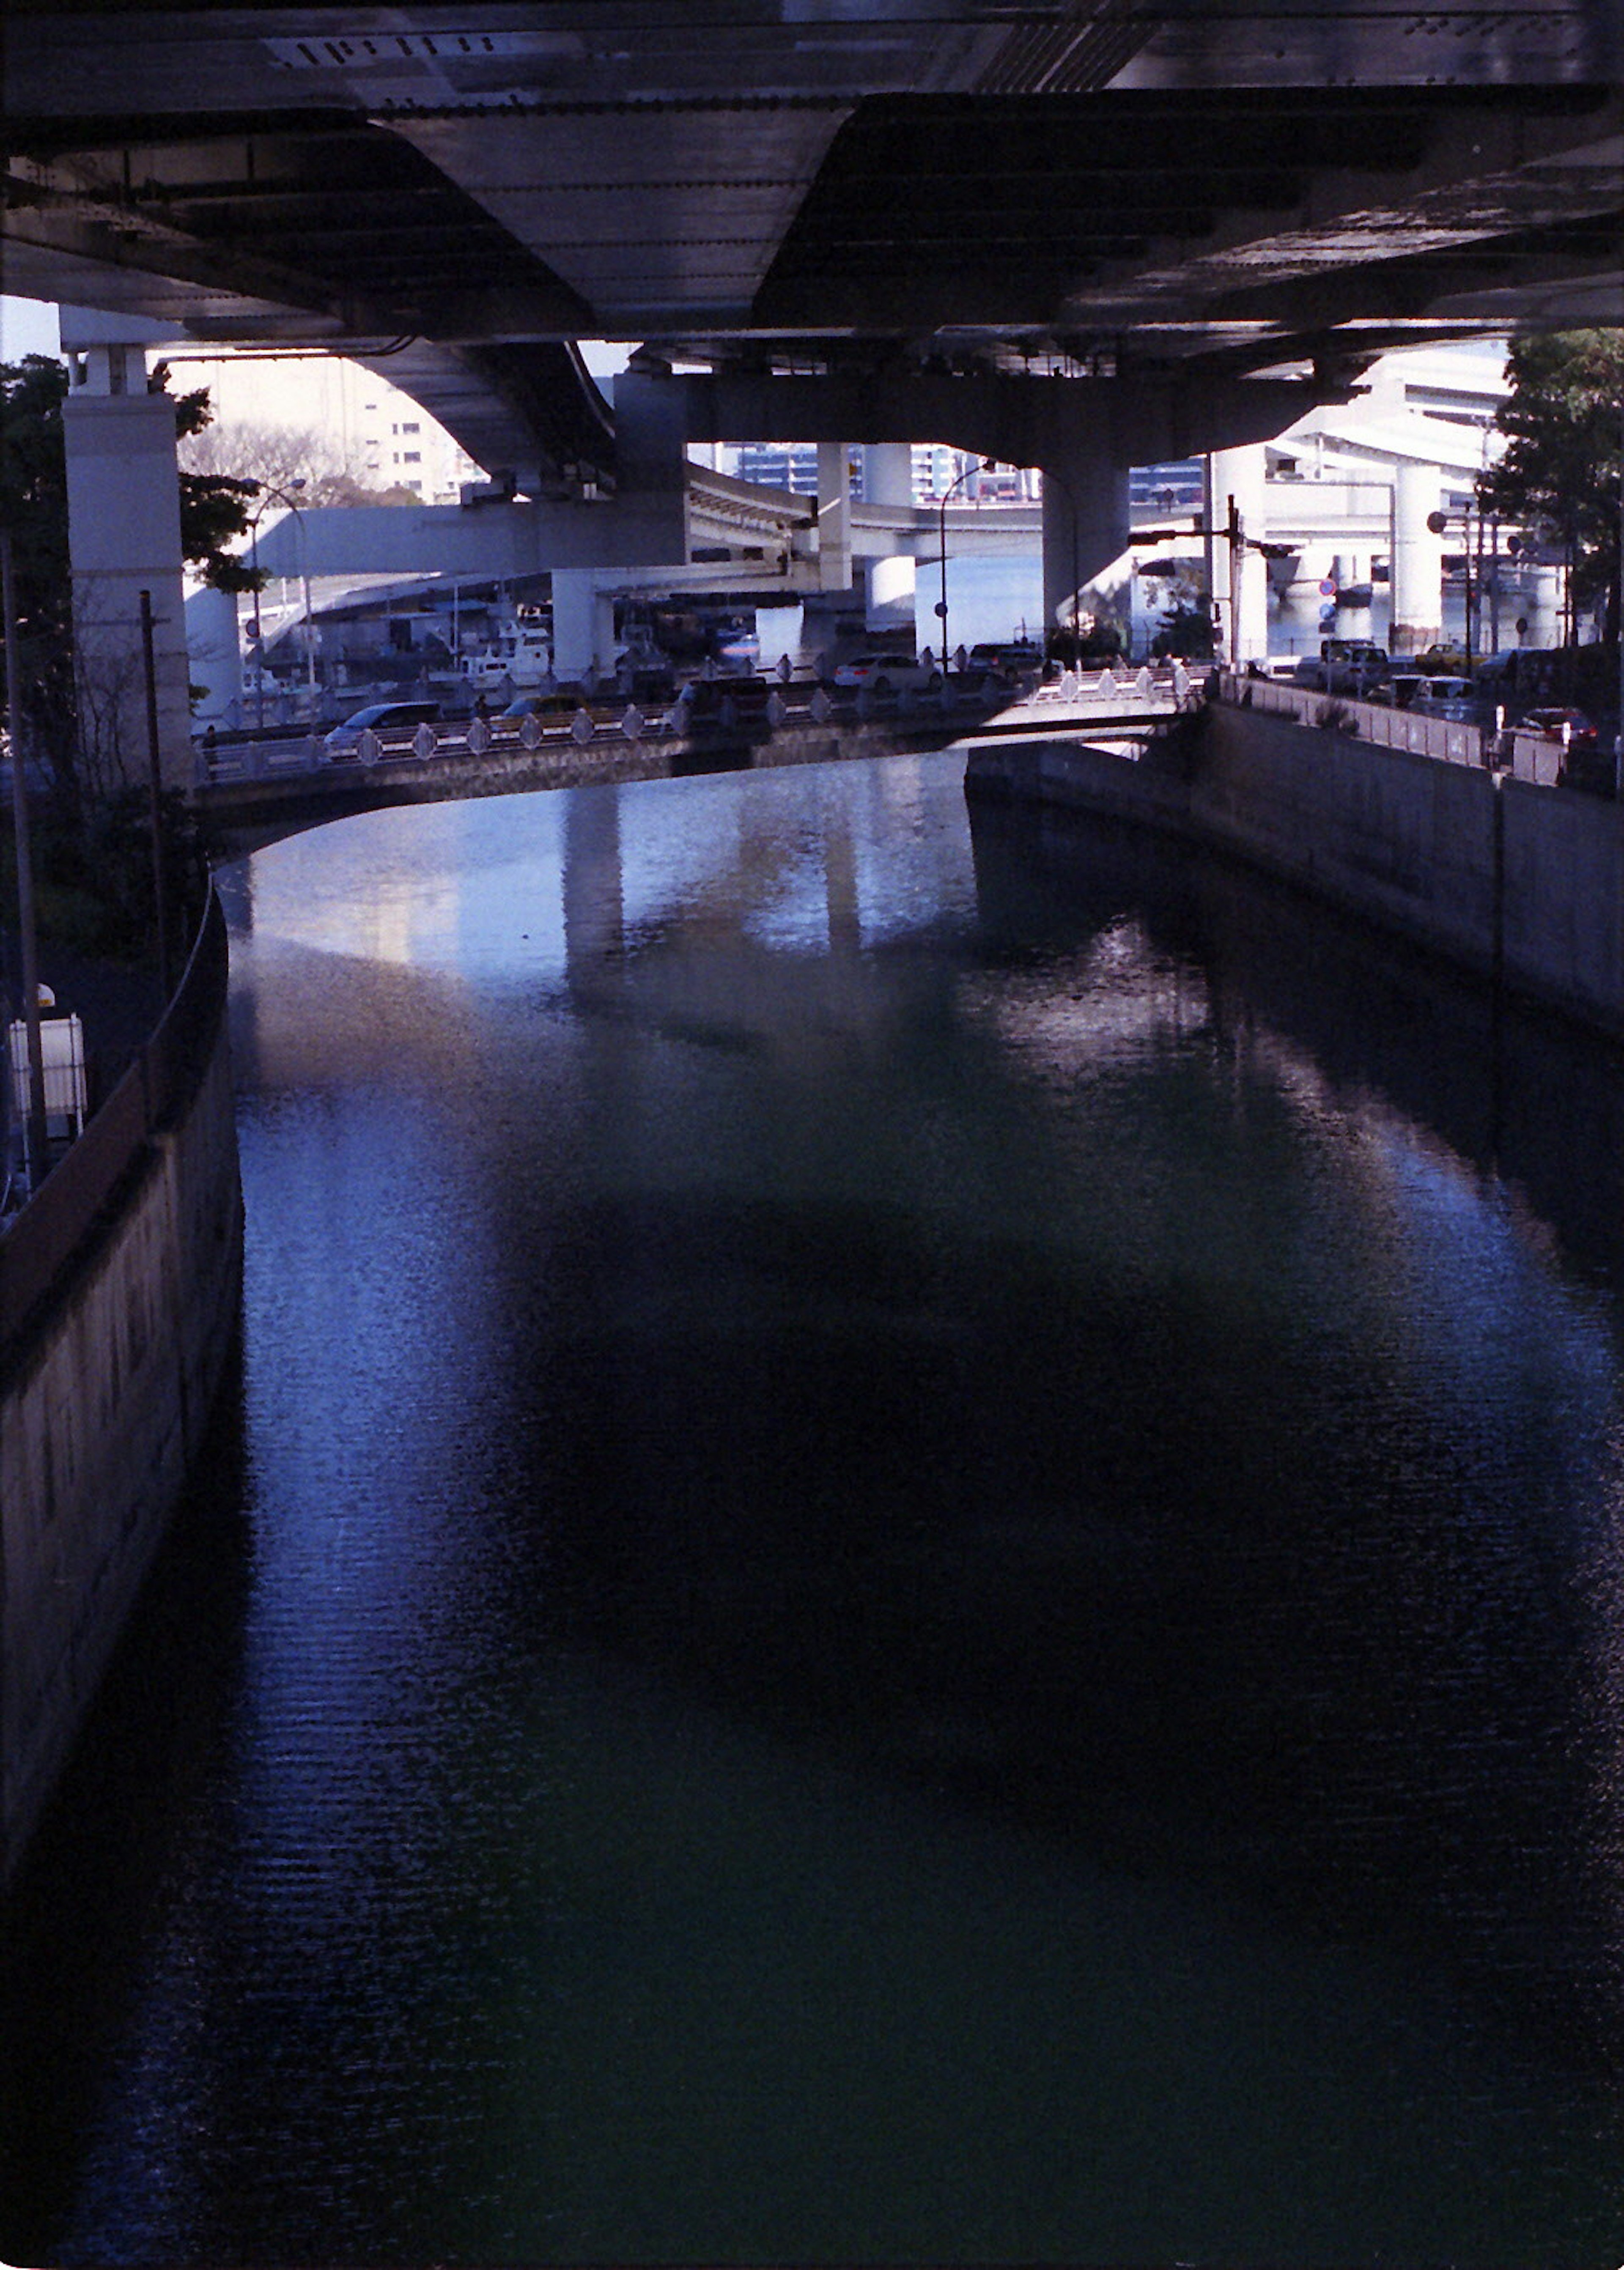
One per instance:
(1559, 475)
(214, 505)
(289, 457)
(33, 506)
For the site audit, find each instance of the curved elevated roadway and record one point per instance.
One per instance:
(459, 193)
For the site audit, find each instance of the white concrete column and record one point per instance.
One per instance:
(123, 539)
(1086, 527)
(1240, 576)
(888, 478)
(214, 655)
(1418, 560)
(834, 517)
(583, 624)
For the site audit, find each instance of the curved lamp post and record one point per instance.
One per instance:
(980, 465)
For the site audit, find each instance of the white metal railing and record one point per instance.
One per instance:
(1158, 690)
(1451, 741)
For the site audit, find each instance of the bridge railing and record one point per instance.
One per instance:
(613, 723)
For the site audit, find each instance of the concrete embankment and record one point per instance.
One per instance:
(1523, 884)
(119, 1288)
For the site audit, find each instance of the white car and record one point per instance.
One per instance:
(886, 673)
(1452, 698)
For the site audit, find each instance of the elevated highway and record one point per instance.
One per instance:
(1067, 233)
(462, 193)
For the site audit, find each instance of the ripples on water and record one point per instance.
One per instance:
(919, 1561)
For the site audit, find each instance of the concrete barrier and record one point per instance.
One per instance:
(1522, 884)
(119, 1284)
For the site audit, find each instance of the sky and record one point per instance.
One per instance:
(27, 327)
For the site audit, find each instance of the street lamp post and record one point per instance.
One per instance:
(980, 465)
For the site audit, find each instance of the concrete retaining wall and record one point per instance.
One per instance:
(109, 1372)
(1564, 899)
(1519, 882)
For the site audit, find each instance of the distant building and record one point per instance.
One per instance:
(383, 437)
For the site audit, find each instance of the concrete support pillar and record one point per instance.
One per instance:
(1418, 560)
(1085, 526)
(1239, 574)
(583, 625)
(888, 478)
(651, 476)
(123, 539)
(834, 517)
(214, 655)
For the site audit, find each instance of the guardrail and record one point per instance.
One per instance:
(718, 709)
(1451, 741)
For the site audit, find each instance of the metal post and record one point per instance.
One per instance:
(304, 573)
(1494, 586)
(154, 772)
(1077, 627)
(28, 938)
(259, 641)
(941, 604)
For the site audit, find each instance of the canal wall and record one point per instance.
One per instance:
(1522, 884)
(119, 1290)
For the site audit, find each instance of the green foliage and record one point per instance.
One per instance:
(1186, 630)
(92, 873)
(1560, 472)
(214, 508)
(34, 507)
(1093, 641)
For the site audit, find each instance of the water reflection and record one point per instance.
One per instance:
(926, 1567)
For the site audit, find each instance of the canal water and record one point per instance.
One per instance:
(919, 1561)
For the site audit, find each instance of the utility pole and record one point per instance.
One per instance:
(28, 939)
(154, 773)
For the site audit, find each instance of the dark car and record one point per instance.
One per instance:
(726, 702)
(1571, 727)
(379, 717)
(542, 705)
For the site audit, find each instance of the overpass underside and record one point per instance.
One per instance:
(1041, 232)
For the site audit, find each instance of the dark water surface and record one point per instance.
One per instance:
(921, 1562)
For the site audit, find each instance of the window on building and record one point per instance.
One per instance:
(413, 458)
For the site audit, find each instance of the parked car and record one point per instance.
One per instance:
(1571, 727)
(379, 717)
(726, 701)
(542, 705)
(1452, 698)
(886, 673)
(1010, 655)
(1344, 667)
